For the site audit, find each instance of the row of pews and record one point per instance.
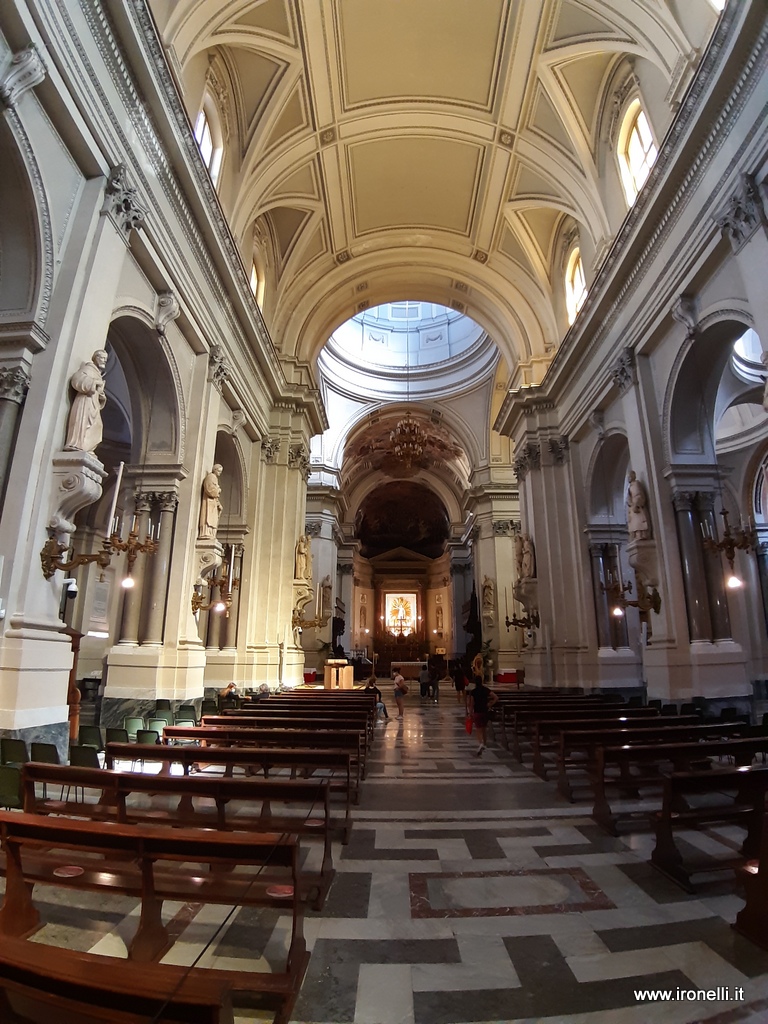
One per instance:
(691, 773)
(240, 810)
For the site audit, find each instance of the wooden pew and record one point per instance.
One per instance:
(311, 718)
(504, 712)
(42, 984)
(343, 766)
(577, 747)
(732, 795)
(305, 739)
(679, 756)
(521, 719)
(307, 721)
(111, 793)
(545, 732)
(752, 919)
(155, 864)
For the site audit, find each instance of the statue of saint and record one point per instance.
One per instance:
(326, 588)
(529, 559)
(303, 567)
(519, 554)
(488, 601)
(84, 426)
(637, 516)
(439, 617)
(210, 506)
(363, 614)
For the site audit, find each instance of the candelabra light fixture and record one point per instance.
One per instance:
(530, 620)
(648, 600)
(226, 584)
(407, 440)
(53, 550)
(742, 538)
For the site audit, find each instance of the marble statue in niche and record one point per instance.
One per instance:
(210, 505)
(85, 426)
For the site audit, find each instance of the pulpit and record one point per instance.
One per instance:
(339, 675)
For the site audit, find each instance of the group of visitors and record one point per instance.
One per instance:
(470, 688)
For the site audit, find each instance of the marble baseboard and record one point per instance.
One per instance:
(55, 732)
(114, 710)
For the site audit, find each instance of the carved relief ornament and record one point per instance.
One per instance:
(270, 447)
(744, 213)
(121, 202)
(624, 372)
(14, 384)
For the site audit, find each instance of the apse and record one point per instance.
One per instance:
(402, 514)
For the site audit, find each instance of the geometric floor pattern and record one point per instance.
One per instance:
(471, 891)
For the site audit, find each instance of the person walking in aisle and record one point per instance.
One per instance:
(480, 701)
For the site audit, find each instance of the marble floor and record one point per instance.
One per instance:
(471, 892)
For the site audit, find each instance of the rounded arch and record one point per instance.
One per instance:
(26, 239)
(234, 488)
(691, 399)
(385, 417)
(513, 311)
(606, 480)
(150, 389)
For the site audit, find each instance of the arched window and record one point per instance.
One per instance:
(575, 285)
(636, 151)
(209, 139)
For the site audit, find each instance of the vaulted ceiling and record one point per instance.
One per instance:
(444, 150)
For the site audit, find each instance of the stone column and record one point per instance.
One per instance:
(228, 627)
(14, 382)
(213, 631)
(713, 568)
(762, 572)
(157, 591)
(132, 598)
(692, 558)
(602, 612)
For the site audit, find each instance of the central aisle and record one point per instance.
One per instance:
(471, 892)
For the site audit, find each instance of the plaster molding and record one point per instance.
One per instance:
(79, 477)
(121, 202)
(26, 70)
(167, 309)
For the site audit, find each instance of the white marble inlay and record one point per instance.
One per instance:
(499, 891)
(384, 994)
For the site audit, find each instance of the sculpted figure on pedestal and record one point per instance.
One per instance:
(210, 507)
(637, 516)
(519, 554)
(529, 559)
(303, 568)
(84, 426)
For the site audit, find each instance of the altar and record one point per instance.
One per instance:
(409, 669)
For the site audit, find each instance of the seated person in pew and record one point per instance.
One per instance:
(371, 687)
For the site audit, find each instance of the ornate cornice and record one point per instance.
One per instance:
(690, 176)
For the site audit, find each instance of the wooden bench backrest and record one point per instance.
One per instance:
(253, 737)
(51, 985)
(246, 756)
